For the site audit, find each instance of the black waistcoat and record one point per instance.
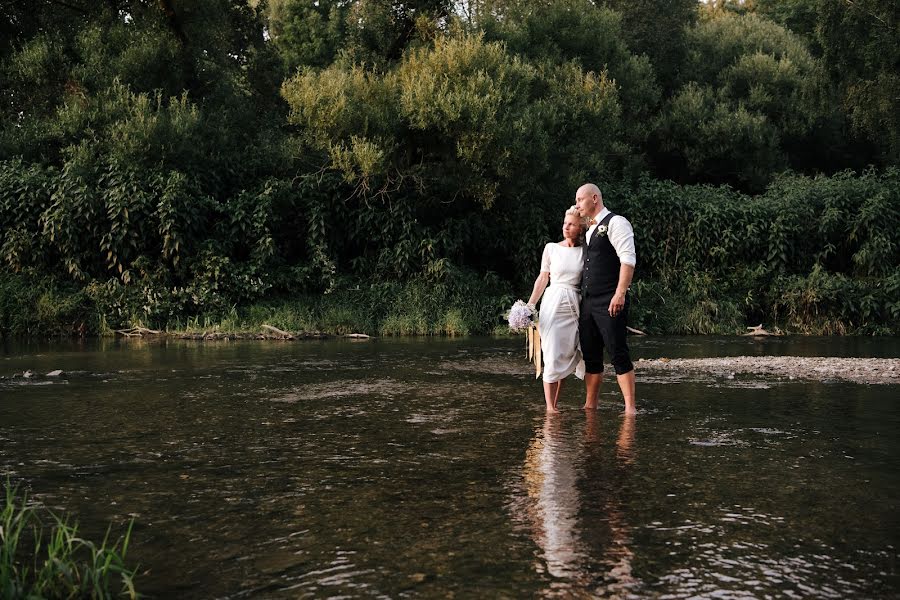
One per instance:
(601, 264)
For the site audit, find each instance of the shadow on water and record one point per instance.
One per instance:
(401, 468)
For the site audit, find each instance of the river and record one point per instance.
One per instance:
(397, 468)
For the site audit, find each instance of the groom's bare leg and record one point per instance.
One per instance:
(626, 384)
(551, 394)
(592, 383)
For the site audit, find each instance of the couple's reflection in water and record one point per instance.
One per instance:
(573, 504)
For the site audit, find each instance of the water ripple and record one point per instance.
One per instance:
(382, 387)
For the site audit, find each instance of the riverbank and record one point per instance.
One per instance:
(736, 369)
(44, 308)
(264, 332)
(877, 371)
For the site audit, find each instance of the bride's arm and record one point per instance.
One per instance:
(540, 284)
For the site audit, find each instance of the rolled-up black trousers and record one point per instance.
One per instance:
(598, 330)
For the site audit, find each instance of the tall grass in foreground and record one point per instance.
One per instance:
(59, 564)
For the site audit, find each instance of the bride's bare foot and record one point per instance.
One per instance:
(552, 410)
(589, 407)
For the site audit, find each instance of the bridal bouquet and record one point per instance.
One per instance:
(521, 316)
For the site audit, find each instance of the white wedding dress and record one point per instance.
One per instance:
(558, 321)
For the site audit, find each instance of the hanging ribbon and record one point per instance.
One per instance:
(533, 348)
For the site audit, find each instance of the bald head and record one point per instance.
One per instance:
(589, 200)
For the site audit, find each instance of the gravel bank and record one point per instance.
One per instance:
(820, 368)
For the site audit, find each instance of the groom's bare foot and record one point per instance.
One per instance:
(589, 406)
(552, 410)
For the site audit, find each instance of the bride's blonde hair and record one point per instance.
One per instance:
(572, 210)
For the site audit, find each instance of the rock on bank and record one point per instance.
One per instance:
(820, 368)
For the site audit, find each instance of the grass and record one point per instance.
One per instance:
(689, 302)
(56, 562)
(413, 308)
(307, 315)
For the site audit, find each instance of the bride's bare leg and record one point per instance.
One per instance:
(551, 391)
(559, 387)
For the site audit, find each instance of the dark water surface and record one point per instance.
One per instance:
(426, 468)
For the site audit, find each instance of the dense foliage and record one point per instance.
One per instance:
(396, 167)
(814, 255)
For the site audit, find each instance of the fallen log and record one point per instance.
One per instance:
(284, 334)
(137, 332)
(758, 330)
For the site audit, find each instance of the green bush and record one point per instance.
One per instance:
(829, 303)
(41, 307)
(811, 254)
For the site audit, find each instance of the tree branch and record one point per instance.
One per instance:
(80, 9)
(172, 20)
(853, 4)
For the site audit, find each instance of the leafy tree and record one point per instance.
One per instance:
(145, 128)
(716, 140)
(755, 99)
(307, 33)
(860, 41)
(452, 132)
(556, 32)
(658, 29)
(58, 75)
(798, 16)
(379, 31)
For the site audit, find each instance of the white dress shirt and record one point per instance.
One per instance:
(621, 236)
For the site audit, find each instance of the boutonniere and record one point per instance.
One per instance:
(601, 230)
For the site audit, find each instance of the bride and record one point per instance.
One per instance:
(561, 266)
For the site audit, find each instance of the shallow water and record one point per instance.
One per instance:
(427, 468)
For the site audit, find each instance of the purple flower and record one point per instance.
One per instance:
(521, 316)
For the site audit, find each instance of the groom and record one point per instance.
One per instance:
(608, 268)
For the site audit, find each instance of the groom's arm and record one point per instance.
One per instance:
(626, 272)
(621, 236)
